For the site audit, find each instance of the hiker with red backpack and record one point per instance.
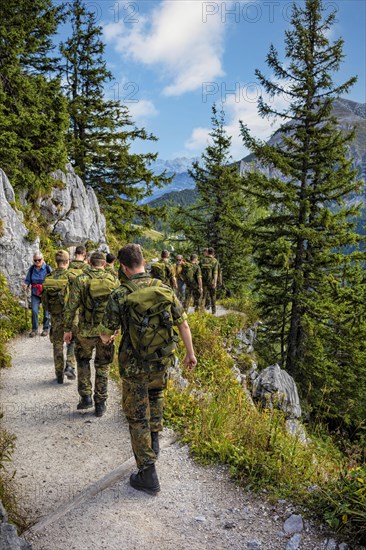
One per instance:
(34, 279)
(147, 310)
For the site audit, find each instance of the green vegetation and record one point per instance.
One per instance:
(13, 320)
(307, 278)
(220, 424)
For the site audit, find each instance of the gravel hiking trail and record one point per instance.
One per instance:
(62, 454)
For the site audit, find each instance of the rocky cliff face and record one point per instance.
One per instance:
(72, 213)
(16, 252)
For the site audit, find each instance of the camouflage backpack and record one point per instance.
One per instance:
(147, 322)
(55, 291)
(207, 269)
(98, 291)
(188, 272)
(158, 271)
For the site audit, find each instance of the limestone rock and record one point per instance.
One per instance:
(275, 388)
(73, 211)
(9, 539)
(16, 252)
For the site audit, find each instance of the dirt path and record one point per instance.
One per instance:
(61, 451)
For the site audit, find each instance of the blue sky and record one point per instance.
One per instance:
(172, 59)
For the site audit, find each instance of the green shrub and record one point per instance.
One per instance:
(220, 423)
(343, 503)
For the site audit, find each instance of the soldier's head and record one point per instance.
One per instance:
(131, 257)
(179, 258)
(194, 258)
(205, 251)
(80, 252)
(62, 258)
(110, 258)
(165, 254)
(210, 251)
(97, 259)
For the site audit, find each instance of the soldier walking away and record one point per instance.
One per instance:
(89, 294)
(192, 276)
(55, 290)
(210, 271)
(181, 286)
(146, 310)
(34, 279)
(109, 266)
(76, 266)
(164, 271)
(79, 261)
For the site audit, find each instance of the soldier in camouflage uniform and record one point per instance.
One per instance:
(56, 310)
(78, 263)
(194, 286)
(109, 266)
(143, 384)
(210, 270)
(165, 271)
(87, 338)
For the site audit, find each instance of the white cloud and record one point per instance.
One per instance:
(178, 40)
(198, 139)
(241, 107)
(142, 109)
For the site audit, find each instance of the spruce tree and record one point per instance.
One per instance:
(102, 131)
(300, 244)
(33, 116)
(221, 208)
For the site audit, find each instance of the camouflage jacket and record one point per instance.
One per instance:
(112, 318)
(78, 264)
(78, 300)
(110, 269)
(213, 267)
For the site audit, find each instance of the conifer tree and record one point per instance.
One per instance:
(221, 208)
(33, 116)
(102, 131)
(299, 245)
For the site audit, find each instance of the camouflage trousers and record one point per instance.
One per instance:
(192, 292)
(143, 401)
(211, 292)
(57, 340)
(84, 347)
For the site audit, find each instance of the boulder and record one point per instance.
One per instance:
(275, 388)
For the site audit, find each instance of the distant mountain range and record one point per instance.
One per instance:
(182, 179)
(349, 113)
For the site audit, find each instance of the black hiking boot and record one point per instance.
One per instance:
(60, 378)
(155, 443)
(146, 480)
(70, 372)
(100, 408)
(85, 402)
